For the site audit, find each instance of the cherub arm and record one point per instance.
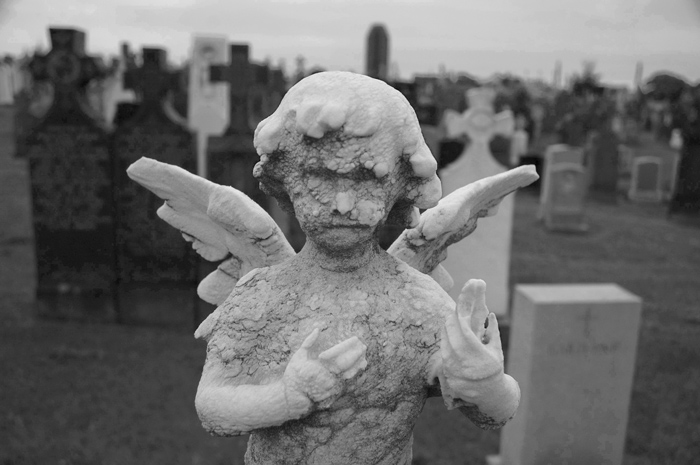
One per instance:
(308, 384)
(469, 365)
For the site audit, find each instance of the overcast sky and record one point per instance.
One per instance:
(525, 37)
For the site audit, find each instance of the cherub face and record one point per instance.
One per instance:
(340, 208)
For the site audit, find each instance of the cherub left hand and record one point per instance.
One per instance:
(471, 343)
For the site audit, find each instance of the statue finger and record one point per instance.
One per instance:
(347, 359)
(359, 365)
(492, 337)
(309, 341)
(340, 348)
(479, 311)
(454, 335)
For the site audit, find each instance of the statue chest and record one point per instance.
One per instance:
(265, 323)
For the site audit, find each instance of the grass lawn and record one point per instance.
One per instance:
(99, 394)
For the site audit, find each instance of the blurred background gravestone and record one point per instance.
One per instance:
(645, 184)
(486, 253)
(254, 93)
(71, 179)
(208, 107)
(565, 199)
(157, 272)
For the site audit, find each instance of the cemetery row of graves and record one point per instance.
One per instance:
(102, 254)
(105, 249)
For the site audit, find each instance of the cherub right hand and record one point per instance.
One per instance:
(318, 379)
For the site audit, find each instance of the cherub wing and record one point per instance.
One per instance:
(220, 221)
(454, 218)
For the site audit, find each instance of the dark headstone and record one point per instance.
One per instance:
(686, 198)
(604, 164)
(157, 274)
(71, 181)
(255, 92)
(377, 64)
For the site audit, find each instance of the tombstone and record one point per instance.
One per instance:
(377, 58)
(486, 254)
(646, 179)
(208, 101)
(564, 207)
(555, 154)
(231, 156)
(572, 349)
(254, 92)
(603, 162)
(114, 91)
(71, 180)
(7, 91)
(156, 267)
(686, 194)
(520, 141)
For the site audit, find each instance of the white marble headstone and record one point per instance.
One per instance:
(572, 349)
(485, 254)
(208, 102)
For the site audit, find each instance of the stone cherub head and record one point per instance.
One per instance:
(344, 153)
(315, 353)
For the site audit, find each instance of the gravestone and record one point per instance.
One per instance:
(231, 156)
(156, 267)
(603, 162)
(71, 179)
(520, 141)
(554, 155)
(572, 349)
(377, 53)
(208, 105)
(686, 195)
(114, 91)
(486, 254)
(7, 90)
(254, 92)
(566, 197)
(646, 179)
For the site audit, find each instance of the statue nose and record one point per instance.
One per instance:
(344, 202)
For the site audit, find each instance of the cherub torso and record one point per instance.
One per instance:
(394, 310)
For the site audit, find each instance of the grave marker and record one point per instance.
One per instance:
(572, 349)
(486, 254)
(254, 92)
(71, 179)
(646, 179)
(554, 155)
(156, 267)
(603, 162)
(208, 105)
(564, 205)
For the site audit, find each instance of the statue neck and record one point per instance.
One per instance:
(342, 261)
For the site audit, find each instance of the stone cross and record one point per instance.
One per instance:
(70, 170)
(486, 254)
(67, 67)
(152, 81)
(238, 74)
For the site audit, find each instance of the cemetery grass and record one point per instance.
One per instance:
(76, 393)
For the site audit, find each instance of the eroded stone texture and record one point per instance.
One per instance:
(392, 308)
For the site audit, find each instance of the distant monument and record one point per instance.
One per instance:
(377, 53)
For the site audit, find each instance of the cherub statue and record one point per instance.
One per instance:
(328, 356)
